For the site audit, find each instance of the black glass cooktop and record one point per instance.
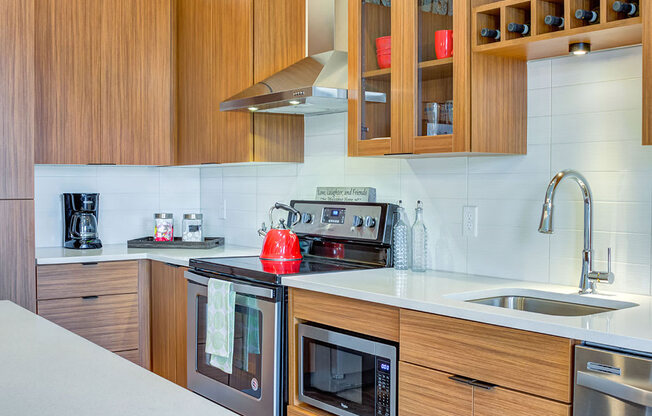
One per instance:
(253, 268)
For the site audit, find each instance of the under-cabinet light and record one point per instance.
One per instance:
(252, 109)
(579, 48)
(295, 102)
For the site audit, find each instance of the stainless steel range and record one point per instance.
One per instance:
(334, 236)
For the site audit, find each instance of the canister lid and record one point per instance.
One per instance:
(163, 216)
(193, 216)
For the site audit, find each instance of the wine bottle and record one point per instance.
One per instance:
(590, 16)
(629, 8)
(523, 29)
(490, 33)
(556, 21)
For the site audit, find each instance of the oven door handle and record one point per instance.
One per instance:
(240, 288)
(618, 390)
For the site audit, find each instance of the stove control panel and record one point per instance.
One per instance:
(348, 220)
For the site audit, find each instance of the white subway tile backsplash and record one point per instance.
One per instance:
(539, 74)
(597, 67)
(597, 97)
(538, 102)
(597, 127)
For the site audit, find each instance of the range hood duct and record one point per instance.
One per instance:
(314, 85)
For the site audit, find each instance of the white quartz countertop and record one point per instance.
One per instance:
(443, 293)
(49, 371)
(117, 252)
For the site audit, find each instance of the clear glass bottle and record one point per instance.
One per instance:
(401, 239)
(419, 241)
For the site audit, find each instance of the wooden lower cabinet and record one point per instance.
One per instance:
(169, 320)
(106, 303)
(423, 391)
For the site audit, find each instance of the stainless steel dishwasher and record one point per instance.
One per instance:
(612, 382)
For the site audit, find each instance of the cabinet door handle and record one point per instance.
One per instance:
(90, 297)
(90, 264)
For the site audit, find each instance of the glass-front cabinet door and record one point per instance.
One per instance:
(372, 118)
(409, 77)
(439, 78)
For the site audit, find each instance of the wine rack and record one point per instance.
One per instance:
(611, 29)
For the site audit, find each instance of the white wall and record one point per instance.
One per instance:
(129, 197)
(584, 113)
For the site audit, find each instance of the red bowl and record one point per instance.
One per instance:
(384, 61)
(384, 42)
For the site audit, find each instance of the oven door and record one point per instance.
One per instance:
(254, 388)
(338, 373)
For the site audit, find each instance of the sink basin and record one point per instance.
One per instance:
(546, 303)
(544, 306)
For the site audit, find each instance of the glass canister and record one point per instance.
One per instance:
(192, 229)
(164, 227)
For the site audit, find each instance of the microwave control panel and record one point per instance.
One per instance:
(383, 387)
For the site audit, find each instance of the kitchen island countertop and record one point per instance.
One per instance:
(49, 371)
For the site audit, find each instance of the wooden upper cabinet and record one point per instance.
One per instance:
(136, 81)
(429, 101)
(16, 99)
(104, 82)
(279, 41)
(224, 47)
(214, 62)
(67, 57)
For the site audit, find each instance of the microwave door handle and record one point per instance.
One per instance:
(237, 287)
(615, 389)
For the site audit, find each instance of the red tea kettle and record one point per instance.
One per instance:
(281, 243)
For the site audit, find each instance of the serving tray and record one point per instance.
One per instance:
(148, 242)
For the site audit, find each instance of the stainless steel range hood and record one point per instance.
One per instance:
(314, 85)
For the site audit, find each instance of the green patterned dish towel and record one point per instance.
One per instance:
(220, 321)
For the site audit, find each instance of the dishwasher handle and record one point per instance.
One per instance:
(241, 288)
(615, 389)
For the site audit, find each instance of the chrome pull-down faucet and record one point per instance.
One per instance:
(590, 277)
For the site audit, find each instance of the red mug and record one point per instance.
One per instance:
(444, 44)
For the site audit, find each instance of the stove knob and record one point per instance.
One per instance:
(357, 221)
(306, 218)
(369, 222)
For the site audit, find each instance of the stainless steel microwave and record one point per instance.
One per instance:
(345, 374)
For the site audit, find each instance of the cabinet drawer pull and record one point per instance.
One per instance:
(90, 297)
(460, 379)
(90, 264)
(482, 385)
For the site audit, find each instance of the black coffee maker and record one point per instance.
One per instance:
(80, 212)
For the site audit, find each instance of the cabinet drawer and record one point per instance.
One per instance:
(76, 279)
(499, 401)
(301, 411)
(353, 315)
(520, 360)
(131, 355)
(422, 391)
(109, 321)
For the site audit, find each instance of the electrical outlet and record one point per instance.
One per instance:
(470, 221)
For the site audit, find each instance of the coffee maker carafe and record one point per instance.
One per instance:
(80, 212)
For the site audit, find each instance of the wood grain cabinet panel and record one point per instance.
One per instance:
(499, 401)
(68, 65)
(214, 62)
(423, 391)
(169, 311)
(17, 280)
(279, 41)
(131, 355)
(351, 314)
(526, 361)
(110, 321)
(136, 81)
(86, 279)
(16, 99)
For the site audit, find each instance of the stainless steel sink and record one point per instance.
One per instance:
(543, 306)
